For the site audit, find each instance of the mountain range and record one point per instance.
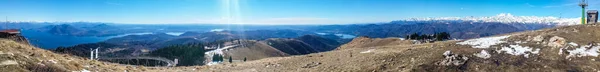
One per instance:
(67, 29)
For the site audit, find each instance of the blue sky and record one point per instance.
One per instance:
(275, 11)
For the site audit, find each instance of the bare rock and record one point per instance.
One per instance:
(483, 54)
(452, 59)
(556, 42)
(272, 65)
(538, 38)
(311, 65)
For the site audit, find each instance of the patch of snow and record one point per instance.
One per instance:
(447, 53)
(560, 51)
(519, 50)
(220, 50)
(402, 38)
(368, 51)
(520, 42)
(484, 42)
(208, 55)
(84, 70)
(8, 62)
(587, 50)
(456, 39)
(573, 44)
(483, 54)
(213, 63)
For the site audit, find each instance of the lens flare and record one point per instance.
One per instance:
(231, 14)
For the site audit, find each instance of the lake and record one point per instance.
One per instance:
(50, 41)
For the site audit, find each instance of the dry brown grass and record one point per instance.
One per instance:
(391, 55)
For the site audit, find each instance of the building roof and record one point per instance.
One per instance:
(11, 31)
(592, 11)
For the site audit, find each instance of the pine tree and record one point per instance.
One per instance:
(413, 36)
(230, 61)
(221, 58)
(244, 59)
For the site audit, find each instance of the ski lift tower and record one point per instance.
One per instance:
(583, 4)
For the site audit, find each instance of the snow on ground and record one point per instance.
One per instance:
(84, 70)
(447, 53)
(368, 51)
(213, 63)
(520, 42)
(208, 55)
(573, 44)
(402, 38)
(587, 50)
(484, 42)
(220, 50)
(483, 54)
(519, 50)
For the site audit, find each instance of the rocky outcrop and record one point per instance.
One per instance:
(556, 42)
(14, 36)
(451, 59)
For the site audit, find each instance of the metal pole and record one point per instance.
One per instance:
(583, 15)
(91, 54)
(96, 53)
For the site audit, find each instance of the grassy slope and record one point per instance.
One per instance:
(422, 57)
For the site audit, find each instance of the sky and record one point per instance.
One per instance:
(275, 11)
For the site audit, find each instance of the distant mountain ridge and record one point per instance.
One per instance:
(506, 18)
(139, 44)
(81, 30)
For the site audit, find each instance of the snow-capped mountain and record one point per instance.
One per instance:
(505, 18)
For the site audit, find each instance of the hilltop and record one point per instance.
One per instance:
(19, 57)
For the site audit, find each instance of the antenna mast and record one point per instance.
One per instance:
(583, 4)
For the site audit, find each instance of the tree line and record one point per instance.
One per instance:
(190, 54)
(432, 37)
